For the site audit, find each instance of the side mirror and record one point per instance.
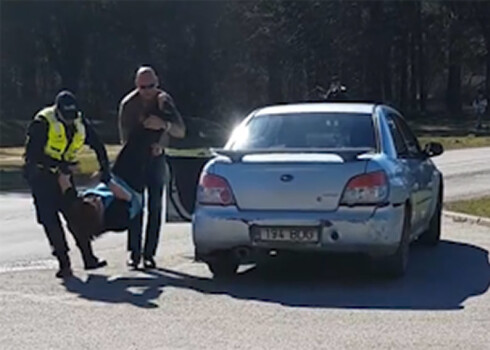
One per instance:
(433, 149)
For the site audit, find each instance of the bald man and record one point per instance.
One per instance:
(148, 100)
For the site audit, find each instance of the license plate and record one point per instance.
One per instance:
(288, 234)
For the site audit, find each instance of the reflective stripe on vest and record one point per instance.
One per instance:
(57, 146)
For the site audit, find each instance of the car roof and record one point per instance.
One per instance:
(334, 107)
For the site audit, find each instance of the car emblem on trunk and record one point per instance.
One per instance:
(287, 178)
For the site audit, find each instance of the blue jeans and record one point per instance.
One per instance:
(154, 184)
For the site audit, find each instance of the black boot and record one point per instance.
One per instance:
(90, 261)
(134, 260)
(65, 267)
(149, 263)
(93, 263)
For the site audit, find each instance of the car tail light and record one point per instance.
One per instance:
(214, 190)
(371, 188)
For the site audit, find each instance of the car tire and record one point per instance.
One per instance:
(223, 266)
(395, 265)
(432, 235)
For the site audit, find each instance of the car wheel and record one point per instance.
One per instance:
(223, 266)
(394, 266)
(432, 236)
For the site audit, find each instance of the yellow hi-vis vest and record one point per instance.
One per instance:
(57, 146)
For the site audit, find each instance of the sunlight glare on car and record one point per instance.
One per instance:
(239, 136)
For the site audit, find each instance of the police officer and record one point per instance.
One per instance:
(54, 138)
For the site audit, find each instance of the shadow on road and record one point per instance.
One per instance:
(438, 279)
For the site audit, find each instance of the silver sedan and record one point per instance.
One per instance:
(325, 177)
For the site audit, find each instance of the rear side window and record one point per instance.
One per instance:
(396, 134)
(306, 130)
(410, 139)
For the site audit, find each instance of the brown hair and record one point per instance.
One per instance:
(84, 220)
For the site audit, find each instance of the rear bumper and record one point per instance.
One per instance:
(374, 231)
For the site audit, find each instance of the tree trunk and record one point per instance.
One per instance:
(387, 76)
(274, 68)
(481, 10)
(419, 37)
(453, 91)
(487, 78)
(413, 73)
(201, 60)
(421, 77)
(454, 87)
(402, 67)
(374, 54)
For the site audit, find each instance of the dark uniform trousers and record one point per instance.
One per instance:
(48, 203)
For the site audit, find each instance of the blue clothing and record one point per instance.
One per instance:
(117, 213)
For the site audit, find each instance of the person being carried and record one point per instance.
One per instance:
(112, 206)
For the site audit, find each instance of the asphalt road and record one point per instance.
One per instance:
(442, 303)
(466, 172)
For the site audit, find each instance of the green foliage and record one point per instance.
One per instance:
(221, 59)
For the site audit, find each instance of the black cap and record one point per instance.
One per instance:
(66, 103)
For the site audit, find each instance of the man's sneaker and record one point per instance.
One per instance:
(149, 263)
(95, 264)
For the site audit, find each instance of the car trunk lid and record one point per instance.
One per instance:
(290, 180)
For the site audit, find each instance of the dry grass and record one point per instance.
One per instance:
(11, 157)
(477, 207)
(455, 142)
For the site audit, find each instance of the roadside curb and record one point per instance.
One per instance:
(459, 217)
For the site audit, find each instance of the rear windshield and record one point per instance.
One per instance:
(306, 130)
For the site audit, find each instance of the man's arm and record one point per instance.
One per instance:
(64, 180)
(176, 127)
(123, 122)
(93, 141)
(126, 120)
(69, 192)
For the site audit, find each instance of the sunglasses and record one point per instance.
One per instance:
(147, 87)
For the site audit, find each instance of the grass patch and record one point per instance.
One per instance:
(455, 142)
(11, 157)
(477, 207)
(11, 161)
